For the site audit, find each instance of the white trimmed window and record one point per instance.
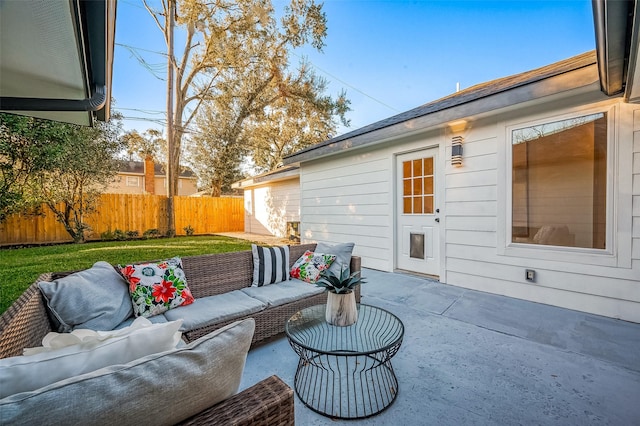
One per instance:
(560, 191)
(133, 181)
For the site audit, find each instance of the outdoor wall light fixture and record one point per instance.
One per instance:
(456, 151)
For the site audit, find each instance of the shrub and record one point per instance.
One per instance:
(151, 233)
(189, 230)
(119, 235)
(107, 235)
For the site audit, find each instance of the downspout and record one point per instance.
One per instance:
(94, 103)
(612, 24)
(601, 44)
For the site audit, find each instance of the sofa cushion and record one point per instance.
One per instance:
(156, 287)
(270, 265)
(214, 309)
(279, 294)
(310, 265)
(156, 319)
(95, 350)
(343, 252)
(96, 298)
(158, 389)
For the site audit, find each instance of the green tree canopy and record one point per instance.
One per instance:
(149, 144)
(64, 166)
(259, 107)
(28, 146)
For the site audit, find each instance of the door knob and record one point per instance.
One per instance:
(437, 210)
(437, 219)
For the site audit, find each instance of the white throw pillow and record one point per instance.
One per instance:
(60, 358)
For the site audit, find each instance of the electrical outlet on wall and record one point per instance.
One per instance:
(530, 275)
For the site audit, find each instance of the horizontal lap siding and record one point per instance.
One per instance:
(471, 245)
(606, 306)
(635, 250)
(348, 200)
(274, 205)
(350, 197)
(471, 194)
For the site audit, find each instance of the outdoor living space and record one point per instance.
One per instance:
(470, 357)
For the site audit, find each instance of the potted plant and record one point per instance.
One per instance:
(341, 300)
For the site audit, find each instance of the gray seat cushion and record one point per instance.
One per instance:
(284, 292)
(159, 389)
(156, 319)
(210, 310)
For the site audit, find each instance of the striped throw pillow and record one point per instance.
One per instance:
(270, 265)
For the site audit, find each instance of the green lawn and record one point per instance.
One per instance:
(19, 268)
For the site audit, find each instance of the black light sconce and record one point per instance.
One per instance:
(456, 151)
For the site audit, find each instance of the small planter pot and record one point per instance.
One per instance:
(341, 309)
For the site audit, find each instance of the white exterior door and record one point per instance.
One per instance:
(417, 229)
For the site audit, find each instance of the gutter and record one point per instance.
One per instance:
(94, 103)
(613, 21)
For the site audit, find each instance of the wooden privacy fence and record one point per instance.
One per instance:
(131, 212)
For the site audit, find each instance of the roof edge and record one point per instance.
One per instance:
(459, 100)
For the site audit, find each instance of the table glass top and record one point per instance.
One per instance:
(375, 330)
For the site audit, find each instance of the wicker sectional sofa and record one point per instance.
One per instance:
(270, 401)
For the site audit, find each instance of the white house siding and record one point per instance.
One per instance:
(269, 207)
(635, 251)
(350, 197)
(476, 211)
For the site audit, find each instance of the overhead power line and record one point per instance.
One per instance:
(347, 84)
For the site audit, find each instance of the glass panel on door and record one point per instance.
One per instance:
(418, 185)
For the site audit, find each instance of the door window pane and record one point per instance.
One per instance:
(559, 183)
(407, 208)
(407, 187)
(428, 204)
(428, 185)
(406, 169)
(417, 167)
(418, 187)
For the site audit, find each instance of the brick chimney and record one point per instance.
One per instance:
(149, 175)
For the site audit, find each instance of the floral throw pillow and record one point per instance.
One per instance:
(157, 287)
(309, 266)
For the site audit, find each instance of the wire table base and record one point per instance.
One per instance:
(346, 372)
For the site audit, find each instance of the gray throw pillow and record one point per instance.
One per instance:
(96, 298)
(159, 389)
(343, 255)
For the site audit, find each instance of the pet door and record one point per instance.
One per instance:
(416, 246)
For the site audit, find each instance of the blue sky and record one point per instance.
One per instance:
(389, 56)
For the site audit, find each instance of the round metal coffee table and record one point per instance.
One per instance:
(345, 372)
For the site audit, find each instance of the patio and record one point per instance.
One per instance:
(474, 358)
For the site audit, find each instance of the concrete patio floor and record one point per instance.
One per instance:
(472, 358)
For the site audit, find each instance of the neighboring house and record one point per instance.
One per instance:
(544, 203)
(145, 177)
(272, 203)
